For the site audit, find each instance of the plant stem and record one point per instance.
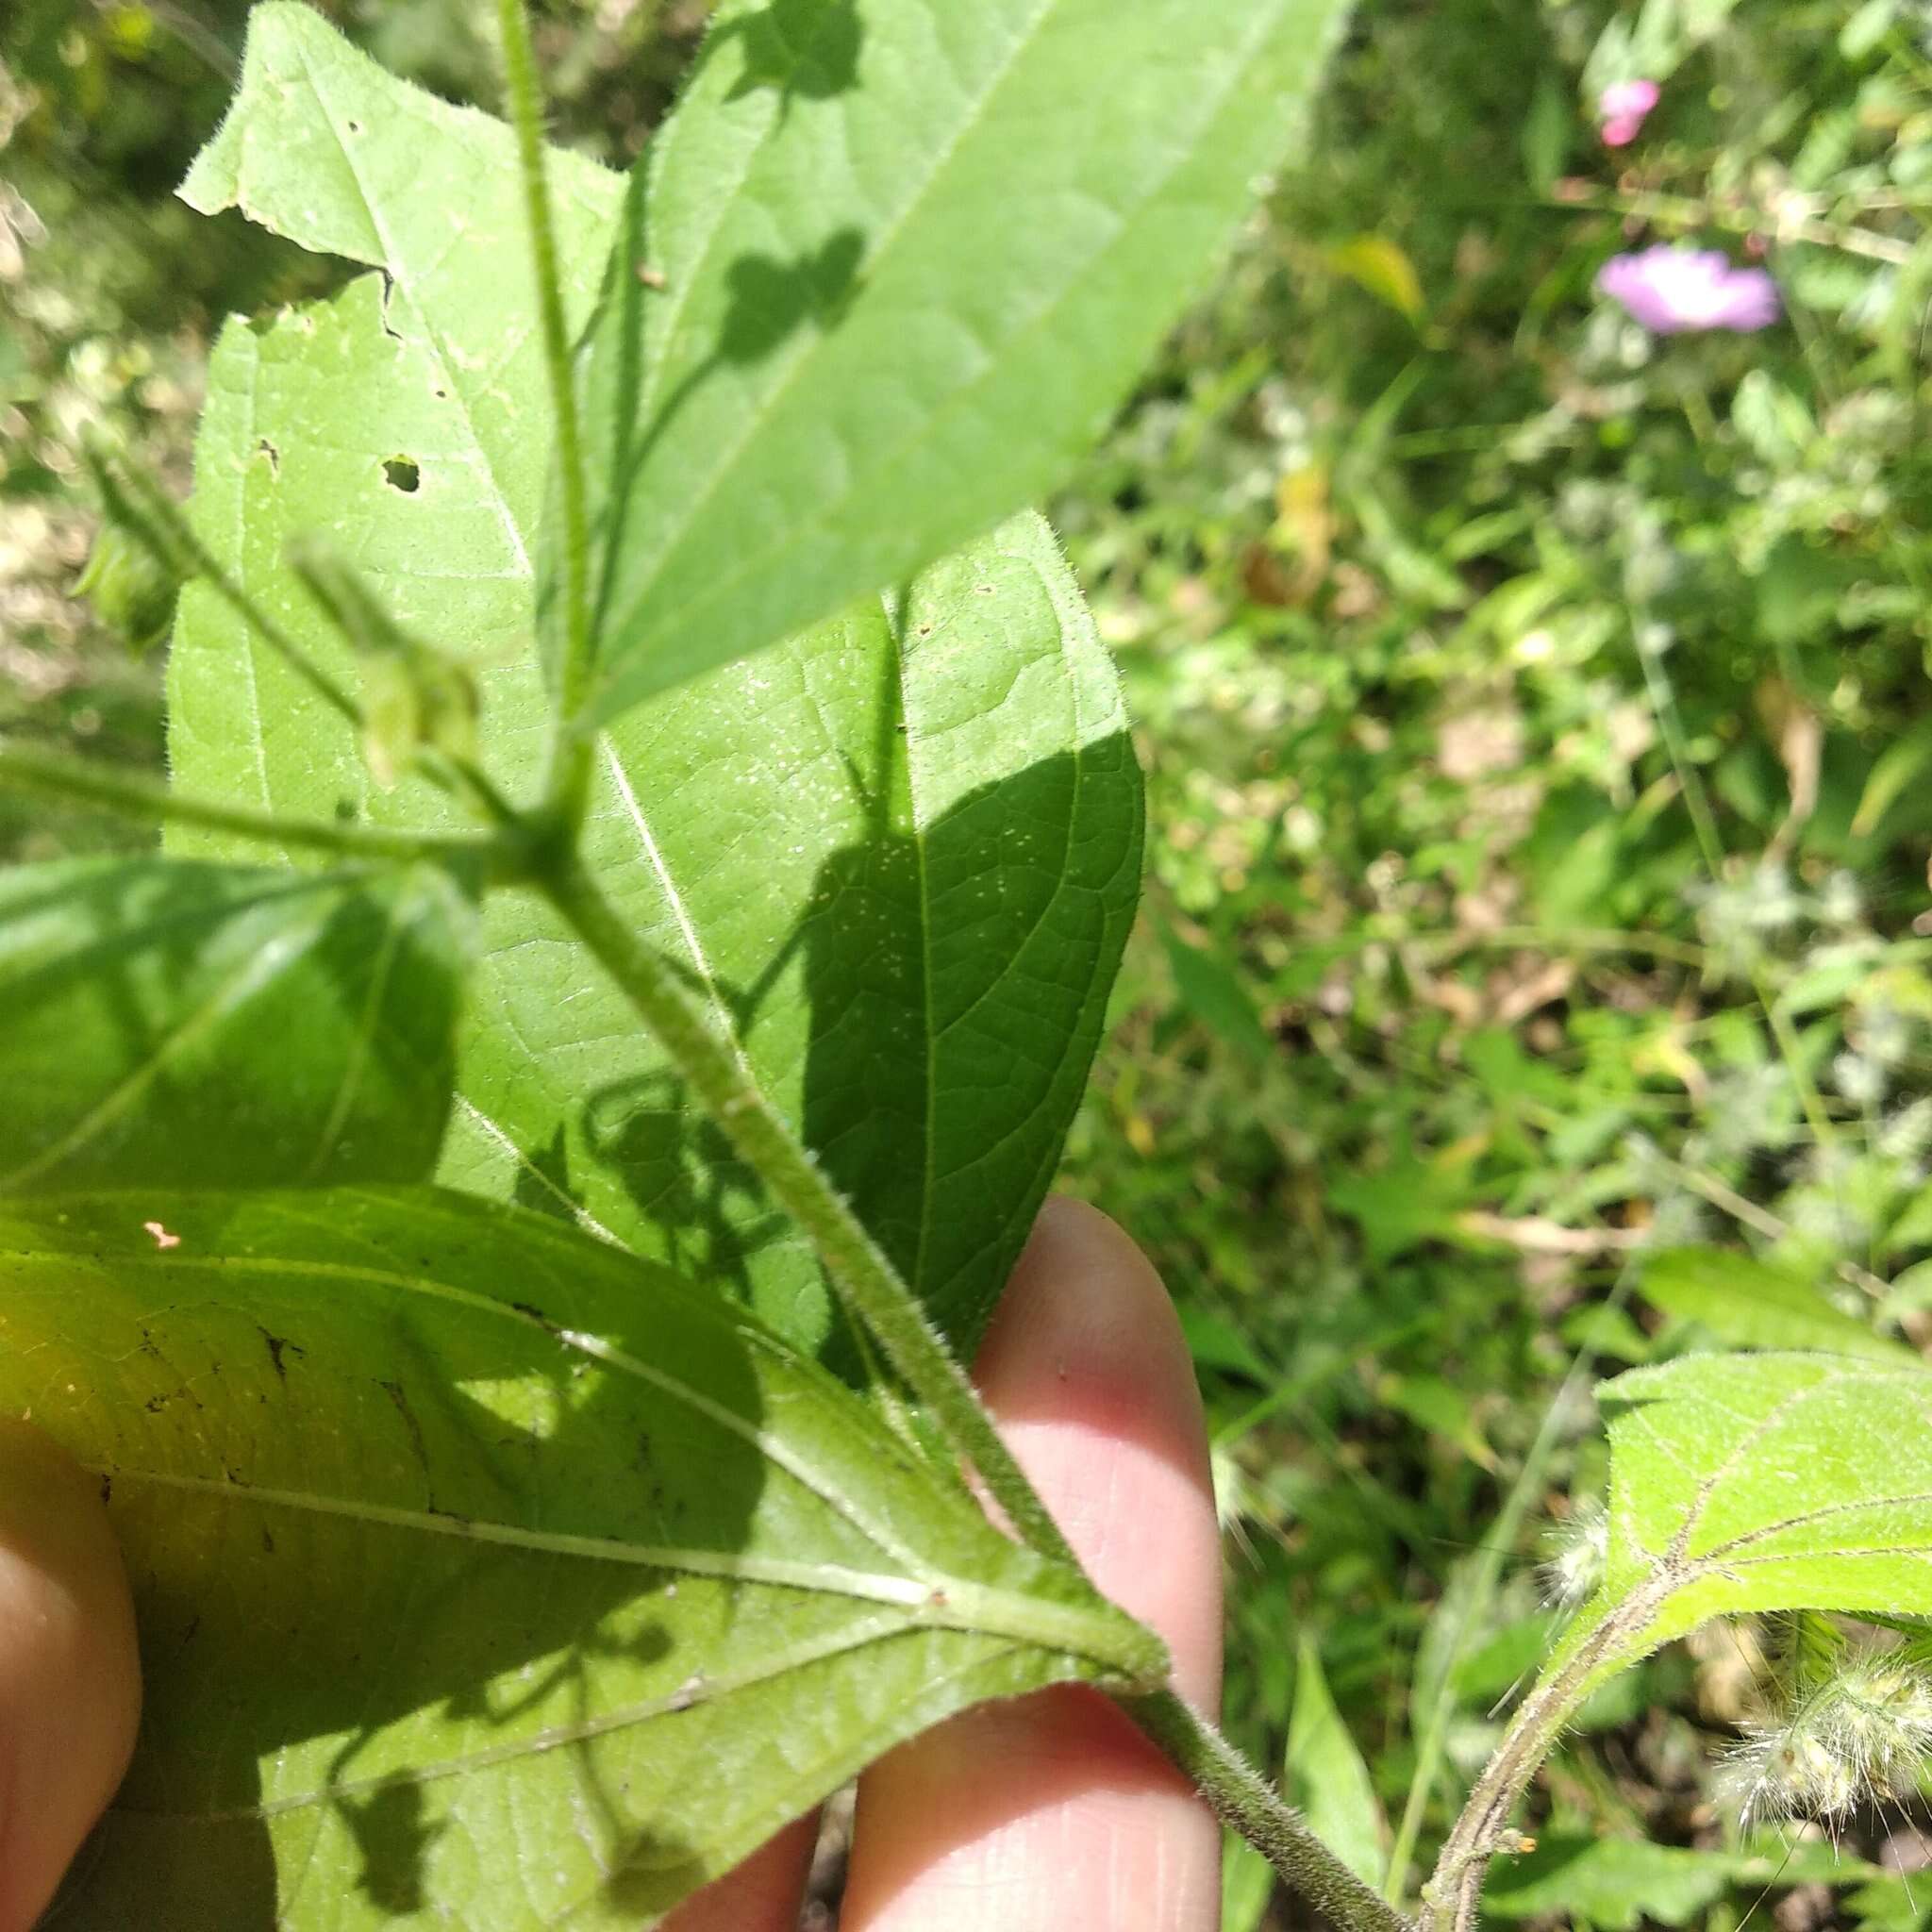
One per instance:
(864, 1278)
(31, 773)
(1453, 1893)
(1243, 1801)
(570, 777)
(882, 1305)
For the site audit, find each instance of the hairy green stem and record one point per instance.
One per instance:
(881, 1303)
(1453, 1898)
(53, 777)
(864, 1278)
(1243, 1801)
(570, 777)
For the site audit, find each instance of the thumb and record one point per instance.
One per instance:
(70, 1676)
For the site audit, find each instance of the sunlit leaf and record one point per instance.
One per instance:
(889, 267)
(1751, 1483)
(897, 854)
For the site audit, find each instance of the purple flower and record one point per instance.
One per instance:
(1621, 107)
(1673, 290)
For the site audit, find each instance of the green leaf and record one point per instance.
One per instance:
(174, 1024)
(404, 419)
(888, 270)
(1753, 1483)
(1247, 1886)
(487, 1575)
(899, 854)
(1325, 1773)
(1619, 1884)
(1746, 1304)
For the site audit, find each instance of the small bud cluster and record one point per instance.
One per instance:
(1858, 1736)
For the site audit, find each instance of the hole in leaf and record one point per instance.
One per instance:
(401, 472)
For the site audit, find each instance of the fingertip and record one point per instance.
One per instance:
(1087, 1327)
(1053, 1810)
(1088, 1373)
(70, 1673)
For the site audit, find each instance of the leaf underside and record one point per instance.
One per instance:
(486, 1576)
(1753, 1483)
(172, 1024)
(897, 854)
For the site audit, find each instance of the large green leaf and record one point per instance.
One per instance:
(1751, 1484)
(487, 1577)
(890, 265)
(174, 1024)
(898, 854)
(404, 420)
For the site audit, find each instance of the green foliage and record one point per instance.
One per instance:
(169, 1025)
(1747, 1305)
(867, 888)
(897, 854)
(1753, 1484)
(878, 286)
(1326, 1774)
(338, 1424)
(1442, 594)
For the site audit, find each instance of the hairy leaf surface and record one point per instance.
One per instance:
(487, 1577)
(888, 268)
(898, 855)
(185, 1025)
(1751, 1484)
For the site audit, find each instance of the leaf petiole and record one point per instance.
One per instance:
(864, 1278)
(28, 771)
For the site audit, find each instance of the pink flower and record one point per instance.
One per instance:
(1622, 107)
(1673, 290)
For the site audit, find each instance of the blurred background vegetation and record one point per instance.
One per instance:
(1535, 964)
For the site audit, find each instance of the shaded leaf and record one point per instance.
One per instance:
(174, 1024)
(899, 262)
(486, 1575)
(1749, 1305)
(898, 855)
(1326, 1776)
(1619, 1884)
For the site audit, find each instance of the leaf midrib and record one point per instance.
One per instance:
(938, 1600)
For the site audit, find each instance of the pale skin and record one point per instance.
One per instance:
(1025, 1817)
